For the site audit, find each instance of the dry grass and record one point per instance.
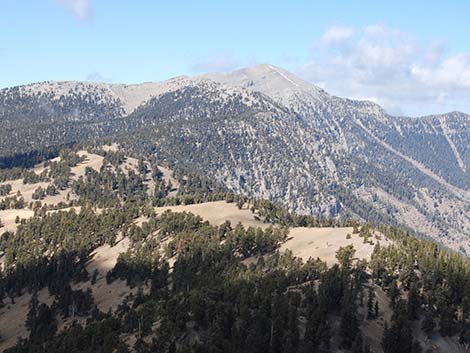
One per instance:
(91, 160)
(168, 178)
(13, 317)
(26, 190)
(114, 147)
(303, 242)
(325, 242)
(8, 219)
(217, 213)
(373, 329)
(130, 164)
(103, 259)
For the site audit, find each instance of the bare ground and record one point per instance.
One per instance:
(168, 178)
(303, 242)
(8, 219)
(26, 190)
(325, 242)
(13, 317)
(217, 213)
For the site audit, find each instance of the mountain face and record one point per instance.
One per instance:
(439, 143)
(264, 132)
(403, 165)
(56, 113)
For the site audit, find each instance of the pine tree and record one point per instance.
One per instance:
(324, 337)
(361, 297)
(32, 313)
(370, 304)
(413, 302)
(416, 347)
(344, 255)
(428, 325)
(393, 293)
(446, 321)
(349, 326)
(357, 346)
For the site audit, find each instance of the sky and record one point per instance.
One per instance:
(411, 57)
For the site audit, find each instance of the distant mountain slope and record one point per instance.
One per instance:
(267, 151)
(264, 132)
(54, 113)
(438, 142)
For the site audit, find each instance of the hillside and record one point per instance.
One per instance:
(265, 133)
(251, 149)
(398, 164)
(303, 242)
(123, 248)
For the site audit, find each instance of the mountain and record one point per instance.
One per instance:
(406, 160)
(447, 133)
(54, 113)
(102, 251)
(264, 132)
(125, 224)
(439, 143)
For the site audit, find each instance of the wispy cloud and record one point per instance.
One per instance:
(98, 77)
(390, 67)
(337, 34)
(81, 9)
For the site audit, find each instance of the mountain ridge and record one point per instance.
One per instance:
(158, 87)
(266, 133)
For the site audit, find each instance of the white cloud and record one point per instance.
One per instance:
(383, 62)
(337, 35)
(80, 8)
(451, 73)
(97, 77)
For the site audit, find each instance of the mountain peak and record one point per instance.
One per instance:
(270, 80)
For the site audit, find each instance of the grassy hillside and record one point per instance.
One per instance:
(112, 252)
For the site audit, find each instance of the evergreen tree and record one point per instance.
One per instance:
(413, 302)
(393, 293)
(344, 255)
(349, 326)
(428, 324)
(446, 321)
(358, 345)
(370, 303)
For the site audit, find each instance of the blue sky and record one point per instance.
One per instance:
(411, 58)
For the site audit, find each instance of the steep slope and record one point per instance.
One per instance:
(264, 132)
(48, 114)
(127, 96)
(437, 142)
(414, 169)
(243, 139)
(124, 272)
(38, 116)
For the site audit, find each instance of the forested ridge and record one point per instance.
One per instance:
(267, 134)
(191, 221)
(198, 287)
